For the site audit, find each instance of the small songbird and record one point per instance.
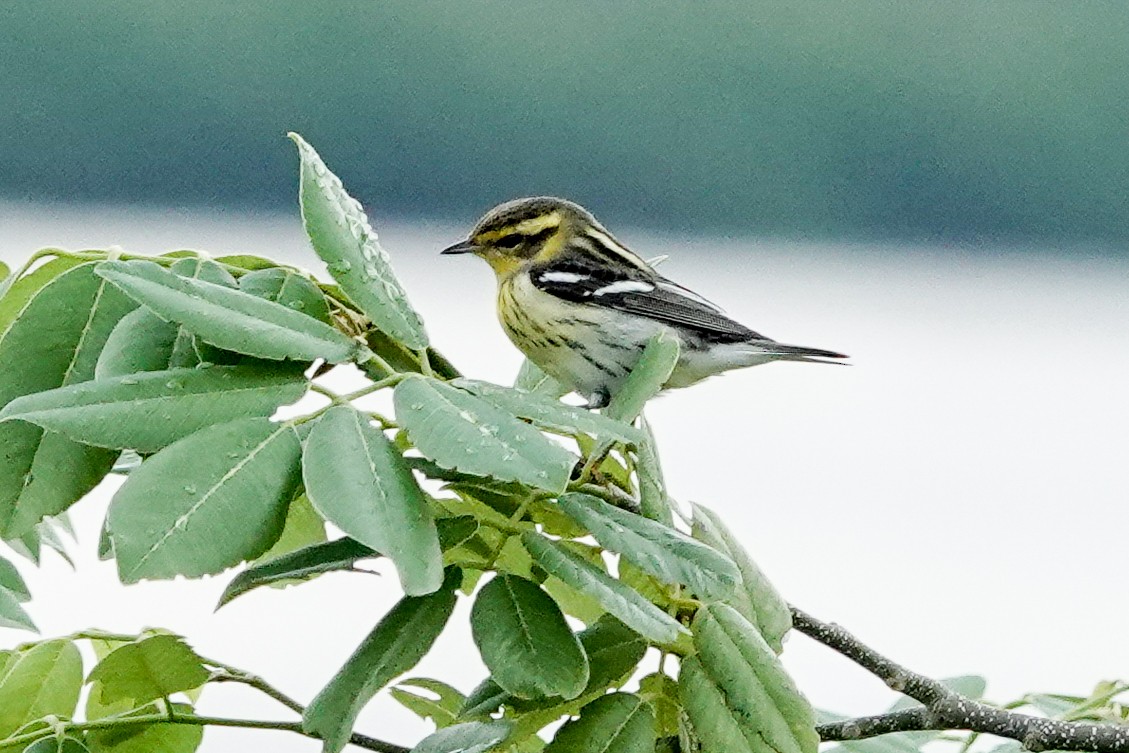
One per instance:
(582, 307)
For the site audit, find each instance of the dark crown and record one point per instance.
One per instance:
(519, 210)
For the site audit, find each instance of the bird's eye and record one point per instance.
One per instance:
(513, 240)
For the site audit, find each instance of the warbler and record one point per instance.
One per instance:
(582, 307)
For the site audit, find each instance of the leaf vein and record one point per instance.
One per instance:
(85, 331)
(205, 497)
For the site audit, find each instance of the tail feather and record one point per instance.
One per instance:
(800, 353)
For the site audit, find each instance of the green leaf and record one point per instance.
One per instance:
(514, 559)
(57, 745)
(198, 268)
(572, 602)
(188, 349)
(442, 710)
(12, 615)
(30, 544)
(402, 358)
(613, 651)
(5, 270)
(646, 379)
(153, 738)
(105, 543)
(549, 413)
(141, 341)
(207, 502)
(503, 497)
(146, 412)
(663, 552)
(300, 564)
(470, 737)
(12, 581)
(525, 641)
(15, 293)
(615, 723)
(49, 537)
(249, 262)
(289, 288)
(460, 431)
(653, 500)
(341, 235)
(359, 482)
(303, 528)
(456, 531)
(616, 597)
(230, 319)
(713, 721)
(53, 341)
(148, 669)
(394, 646)
(757, 600)
(762, 699)
(530, 378)
(95, 708)
(485, 699)
(39, 680)
(661, 691)
(651, 587)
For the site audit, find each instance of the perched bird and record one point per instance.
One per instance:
(582, 307)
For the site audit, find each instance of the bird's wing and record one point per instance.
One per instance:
(636, 291)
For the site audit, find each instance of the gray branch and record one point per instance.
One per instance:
(371, 743)
(944, 709)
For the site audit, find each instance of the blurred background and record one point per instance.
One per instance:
(1003, 121)
(940, 190)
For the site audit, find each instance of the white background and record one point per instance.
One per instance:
(957, 497)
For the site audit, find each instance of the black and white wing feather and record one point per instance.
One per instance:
(638, 290)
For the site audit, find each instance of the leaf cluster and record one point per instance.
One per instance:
(174, 371)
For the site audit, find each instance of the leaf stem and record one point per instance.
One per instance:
(384, 421)
(164, 261)
(514, 520)
(225, 673)
(425, 363)
(611, 494)
(373, 358)
(376, 386)
(325, 392)
(22, 270)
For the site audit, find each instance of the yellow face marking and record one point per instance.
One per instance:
(503, 266)
(532, 226)
(535, 225)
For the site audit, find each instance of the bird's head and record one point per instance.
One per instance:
(511, 234)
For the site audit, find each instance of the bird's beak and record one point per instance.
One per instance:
(462, 247)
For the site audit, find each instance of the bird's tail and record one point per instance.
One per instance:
(800, 353)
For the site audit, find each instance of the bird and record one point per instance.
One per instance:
(582, 307)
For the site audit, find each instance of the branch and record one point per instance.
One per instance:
(361, 741)
(944, 709)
